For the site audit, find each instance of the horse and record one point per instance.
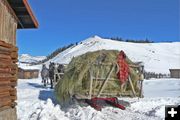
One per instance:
(44, 74)
(51, 73)
(60, 70)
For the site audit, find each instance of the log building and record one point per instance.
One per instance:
(27, 73)
(14, 14)
(174, 73)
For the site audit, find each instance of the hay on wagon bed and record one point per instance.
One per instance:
(76, 80)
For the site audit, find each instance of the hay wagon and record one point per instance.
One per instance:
(94, 75)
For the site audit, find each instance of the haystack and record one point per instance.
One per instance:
(86, 74)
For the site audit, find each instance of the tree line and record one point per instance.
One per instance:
(130, 40)
(55, 53)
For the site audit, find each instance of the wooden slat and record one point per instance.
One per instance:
(132, 86)
(4, 108)
(3, 56)
(5, 74)
(10, 65)
(4, 99)
(3, 44)
(5, 52)
(5, 88)
(91, 83)
(5, 70)
(4, 83)
(11, 78)
(4, 79)
(141, 89)
(4, 94)
(6, 61)
(4, 49)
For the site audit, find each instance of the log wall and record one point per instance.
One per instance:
(8, 75)
(8, 59)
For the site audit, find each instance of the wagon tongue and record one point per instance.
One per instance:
(96, 104)
(93, 104)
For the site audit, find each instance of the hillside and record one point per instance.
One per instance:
(26, 58)
(157, 57)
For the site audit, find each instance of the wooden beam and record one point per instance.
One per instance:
(132, 86)
(91, 83)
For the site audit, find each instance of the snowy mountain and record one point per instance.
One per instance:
(157, 57)
(26, 58)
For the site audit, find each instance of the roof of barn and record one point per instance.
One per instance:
(23, 11)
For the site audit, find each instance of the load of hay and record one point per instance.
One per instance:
(86, 74)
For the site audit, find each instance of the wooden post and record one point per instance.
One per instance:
(91, 82)
(96, 79)
(141, 89)
(132, 86)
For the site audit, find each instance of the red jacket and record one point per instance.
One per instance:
(123, 67)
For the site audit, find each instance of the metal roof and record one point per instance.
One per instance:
(24, 14)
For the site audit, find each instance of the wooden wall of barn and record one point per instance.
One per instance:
(8, 23)
(8, 59)
(27, 74)
(175, 73)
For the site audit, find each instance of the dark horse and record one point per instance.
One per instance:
(44, 74)
(60, 72)
(60, 68)
(51, 73)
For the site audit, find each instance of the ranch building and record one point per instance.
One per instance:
(14, 14)
(174, 73)
(27, 73)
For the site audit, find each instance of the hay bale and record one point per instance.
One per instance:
(76, 80)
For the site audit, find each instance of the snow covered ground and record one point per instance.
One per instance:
(38, 103)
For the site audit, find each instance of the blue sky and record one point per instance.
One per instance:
(68, 21)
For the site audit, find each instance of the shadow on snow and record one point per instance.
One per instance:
(45, 93)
